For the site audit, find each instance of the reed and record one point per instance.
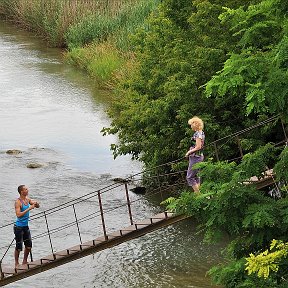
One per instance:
(101, 61)
(111, 33)
(52, 18)
(96, 32)
(117, 27)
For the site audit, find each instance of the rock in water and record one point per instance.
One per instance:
(138, 190)
(13, 152)
(34, 165)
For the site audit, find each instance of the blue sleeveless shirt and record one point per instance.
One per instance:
(23, 221)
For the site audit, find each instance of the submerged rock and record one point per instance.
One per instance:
(13, 151)
(34, 165)
(138, 190)
(121, 180)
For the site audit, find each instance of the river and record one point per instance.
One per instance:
(53, 114)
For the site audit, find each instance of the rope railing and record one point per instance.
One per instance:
(92, 215)
(97, 195)
(87, 197)
(264, 122)
(130, 178)
(87, 217)
(236, 135)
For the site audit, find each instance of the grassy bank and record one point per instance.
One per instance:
(102, 61)
(100, 44)
(94, 32)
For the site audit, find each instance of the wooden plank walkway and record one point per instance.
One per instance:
(267, 180)
(139, 228)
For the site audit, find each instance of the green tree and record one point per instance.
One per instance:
(184, 46)
(257, 68)
(229, 206)
(236, 57)
(269, 261)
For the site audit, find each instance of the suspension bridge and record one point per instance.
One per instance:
(129, 228)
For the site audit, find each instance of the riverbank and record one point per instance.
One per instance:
(94, 34)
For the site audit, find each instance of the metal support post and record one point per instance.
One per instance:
(49, 233)
(102, 216)
(284, 131)
(160, 187)
(239, 146)
(1, 272)
(216, 151)
(77, 223)
(128, 203)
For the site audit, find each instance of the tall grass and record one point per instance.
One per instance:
(95, 31)
(100, 27)
(101, 61)
(107, 50)
(52, 18)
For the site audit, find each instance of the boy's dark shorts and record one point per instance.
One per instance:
(22, 234)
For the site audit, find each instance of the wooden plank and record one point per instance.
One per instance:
(115, 234)
(91, 243)
(159, 216)
(156, 220)
(128, 229)
(62, 253)
(38, 262)
(8, 270)
(265, 182)
(144, 222)
(33, 264)
(50, 257)
(22, 267)
(76, 248)
(124, 232)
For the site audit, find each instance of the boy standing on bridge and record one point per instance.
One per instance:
(23, 205)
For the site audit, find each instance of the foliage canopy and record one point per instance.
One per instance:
(229, 206)
(226, 62)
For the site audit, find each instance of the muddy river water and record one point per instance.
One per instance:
(53, 114)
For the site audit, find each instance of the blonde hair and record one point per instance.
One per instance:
(196, 122)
